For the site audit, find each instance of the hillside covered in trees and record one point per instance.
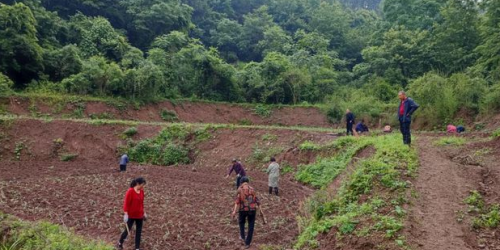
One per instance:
(355, 53)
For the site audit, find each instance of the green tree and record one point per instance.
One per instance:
(20, 53)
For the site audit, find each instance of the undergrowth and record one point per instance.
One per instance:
(22, 235)
(370, 200)
(172, 146)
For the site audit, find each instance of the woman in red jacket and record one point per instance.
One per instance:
(133, 207)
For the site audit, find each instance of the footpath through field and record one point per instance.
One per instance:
(433, 220)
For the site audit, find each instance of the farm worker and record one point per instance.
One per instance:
(451, 129)
(406, 108)
(237, 167)
(246, 204)
(123, 163)
(460, 129)
(133, 208)
(349, 119)
(361, 127)
(274, 175)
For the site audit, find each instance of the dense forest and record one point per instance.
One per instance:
(356, 53)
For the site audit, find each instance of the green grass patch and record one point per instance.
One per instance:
(263, 110)
(450, 141)
(369, 200)
(22, 235)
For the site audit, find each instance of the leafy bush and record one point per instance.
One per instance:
(169, 116)
(130, 131)
(262, 110)
(496, 133)
(5, 85)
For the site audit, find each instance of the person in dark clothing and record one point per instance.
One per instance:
(123, 163)
(406, 108)
(237, 167)
(349, 118)
(133, 208)
(460, 129)
(361, 127)
(247, 203)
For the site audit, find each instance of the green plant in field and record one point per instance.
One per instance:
(18, 149)
(346, 211)
(261, 153)
(269, 137)
(68, 157)
(286, 167)
(101, 116)
(450, 141)
(496, 133)
(308, 145)
(24, 235)
(168, 115)
(262, 110)
(484, 216)
(129, 132)
(171, 146)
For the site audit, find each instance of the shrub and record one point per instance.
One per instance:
(262, 110)
(168, 115)
(5, 85)
(130, 131)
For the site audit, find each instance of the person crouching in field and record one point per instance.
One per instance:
(133, 208)
(274, 175)
(247, 203)
(237, 167)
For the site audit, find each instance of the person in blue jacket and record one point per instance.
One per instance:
(361, 127)
(123, 163)
(406, 108)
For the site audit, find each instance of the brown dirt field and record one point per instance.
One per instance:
(187, 209)
(187, 111)
(444, 181)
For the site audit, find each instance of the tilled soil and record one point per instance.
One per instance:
(187, 210)
(442, 185)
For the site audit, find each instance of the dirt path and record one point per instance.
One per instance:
(441, 187)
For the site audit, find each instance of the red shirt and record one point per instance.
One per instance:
(246, 198)
(402, 108)
(133, 204)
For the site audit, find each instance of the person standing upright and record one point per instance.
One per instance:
(349, 119)
(133, 208)
(123, 163)
(247, 203)
(274, 175)
(237, 167)
(406, 108)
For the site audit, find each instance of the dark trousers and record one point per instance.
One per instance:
(405, 130)
(123, 168)
(275, 190)
(243, 215)
(138, 232)
(349, 128)
(238, 181)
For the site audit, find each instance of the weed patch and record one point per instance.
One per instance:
(168, 115)
(369, 200)
(483, 216)
(41, 235)
(172, 146)
(68, 157)
(262, 110)
(129, 132)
